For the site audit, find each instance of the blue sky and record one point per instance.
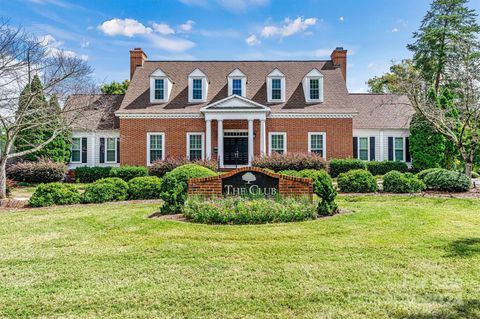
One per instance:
(374, 31)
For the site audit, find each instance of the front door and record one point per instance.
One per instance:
(235, 150)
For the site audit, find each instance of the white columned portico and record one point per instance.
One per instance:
(250, 142)
(263, 140)
(220, 142)
(208, 139)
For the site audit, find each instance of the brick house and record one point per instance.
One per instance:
(233, 111)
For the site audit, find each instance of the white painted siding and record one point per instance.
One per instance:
(381, 139)
(93, 147)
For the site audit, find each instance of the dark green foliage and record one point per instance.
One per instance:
(390, 82)
(338, 166)
(54, 194)
(421, 175)
(290, 161)
(41, 171)
(175, 184)
(396, 182)
(448, 181)
(115, 87)
(160, 168)
(357, 181)
(238, 210)
(128, 172)
(85, 174)
(383, 167)
(475, 175)
(106, 190)
(146, 187)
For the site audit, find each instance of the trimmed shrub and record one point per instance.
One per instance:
(42, 171)
(160, 168)
(475, 174)
(87, 174)
(106, 190)
(239, 210)
(383, 167)
(421, 175)
(128, 172)
(339, 166)
(322, 187)
(145, 187)
(290, 161)
(357, 181)
(448, 181)
(396, 182)
(175, 183)
(54, 194)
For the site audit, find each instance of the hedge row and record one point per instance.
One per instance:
(41, 171)
(290, 161)
(91, 174)
(439, 179)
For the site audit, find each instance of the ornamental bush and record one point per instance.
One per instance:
(396, 182)
(160, 168)
(145, 187)
(106, 190)
(128, 172)
(41, 171)
(239, 210)
(383, 167)
(357, 181)
(338, 166)
(421, 175)
(87, 174)
(290, 161)
(54, 194)
(448, 181)
(175, 184)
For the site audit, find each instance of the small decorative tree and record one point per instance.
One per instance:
(249, 178)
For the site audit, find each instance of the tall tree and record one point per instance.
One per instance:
(389, 82)
(115, 87)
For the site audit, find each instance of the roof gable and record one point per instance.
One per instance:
(236, 73)
(235, 102)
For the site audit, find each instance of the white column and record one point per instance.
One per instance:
(208, 139)
(250, 142)
(263, 141)
(220, 141)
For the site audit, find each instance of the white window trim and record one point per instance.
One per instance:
(274, 75)
(320, 89)
(203, 143)
(324, 137)
(148, 145)
(243, 81)
(165, 88)
(106, 149)
(368, 147)
(197, 75)
(404, 149)
(270, 134)
(71, 151)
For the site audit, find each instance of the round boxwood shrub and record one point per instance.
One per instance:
(106, 190)
(421, 175)
(128, 172)
(357, 181)
(146, 187)
(240, 210)
(54, 194)
(90, 174)
(396, 182)
(41, 171)
(175, 183)
(383, 167)
(338, 166)
(448, 181)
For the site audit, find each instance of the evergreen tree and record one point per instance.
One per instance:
(115, 88)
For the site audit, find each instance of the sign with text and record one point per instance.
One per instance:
(247, 183)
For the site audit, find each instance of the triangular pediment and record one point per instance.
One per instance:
(237, 74)
(159, 73)
(314, 73)
(235, 102)
(276, 73)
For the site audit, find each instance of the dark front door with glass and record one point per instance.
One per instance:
(235, 150)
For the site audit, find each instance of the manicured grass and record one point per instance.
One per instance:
(393, 257)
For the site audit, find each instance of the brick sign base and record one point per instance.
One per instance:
(244, 180)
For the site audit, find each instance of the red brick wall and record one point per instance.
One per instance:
(133, 135)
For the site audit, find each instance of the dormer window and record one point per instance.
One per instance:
(276, 87)
(313, 86)
(160, 87)
(237, 82)
(197, 87)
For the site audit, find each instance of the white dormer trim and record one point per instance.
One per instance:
(197, 74)
(237, 75)
(167, 86)
(314, 74)
(275, 74)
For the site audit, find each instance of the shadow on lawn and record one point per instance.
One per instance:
(465, 309)
(464, 247)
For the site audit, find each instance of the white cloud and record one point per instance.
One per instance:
(126, 27)
(252, 40)
(341, 19)
(162, 28)
(85, 44)
(186, 27)
(395, 30)
(53, 47)
(289, 27)
(170, 43)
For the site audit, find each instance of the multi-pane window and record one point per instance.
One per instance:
(276, 89)
(237, 86)
(363, 148)
(277, 143)
(399, 150)
(76, 149)
(316, 144)
(314, 89)
(159, 89)
(197, 89)
(155, 148)
(195, 146)
(111, 149)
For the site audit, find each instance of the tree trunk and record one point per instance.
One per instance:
(468, 168)
(3, 178)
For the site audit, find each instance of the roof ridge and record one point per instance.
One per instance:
(306, 60)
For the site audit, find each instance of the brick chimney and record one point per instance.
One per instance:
(137, 57)
(339, 58)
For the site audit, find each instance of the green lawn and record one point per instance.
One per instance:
(393, 257)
